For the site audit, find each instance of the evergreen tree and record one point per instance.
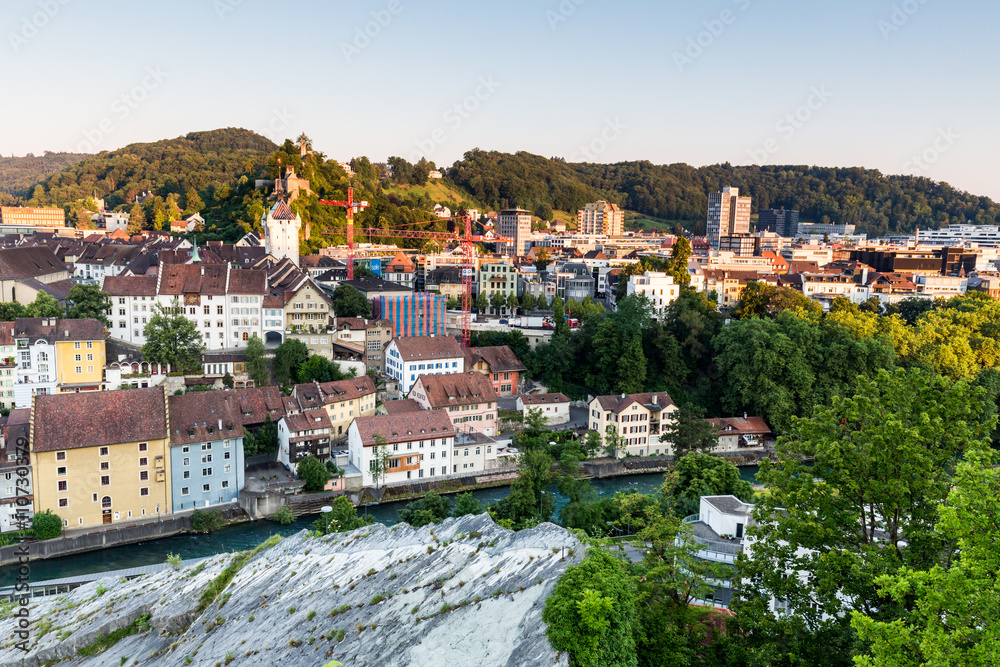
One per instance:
(689, 431)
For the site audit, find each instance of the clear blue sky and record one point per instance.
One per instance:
(888, 80)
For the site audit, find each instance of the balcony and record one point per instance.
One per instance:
(710, 545)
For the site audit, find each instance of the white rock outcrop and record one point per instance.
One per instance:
(464, 592)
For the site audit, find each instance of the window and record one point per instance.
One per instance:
(144, 491)
(105, 480)
(63, 485)
(90, 357)
(61, 470)
(186, 461)
(187, 474)
(185, 449)
(79, 369)
(225, 484)
(185, 490)
(93, 497)
(226, 455)
(143, 475)
(77, 357)
(63, 502)
(105, 465)
(206, 487)
(144, 446)
(104, 451)
(143, 461)
(76, 345)
(227, 468)
(206, 472)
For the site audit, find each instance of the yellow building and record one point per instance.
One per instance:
(103, 457)
(641, 421)
(80, 355)
(343, 400)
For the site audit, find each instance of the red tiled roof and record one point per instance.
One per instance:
(256, 403)
(310, 420)
(129, 285)
(71, 421)
(402, 406)
(456, 389)
(619, 403)
(414, 348)
(747, 425)
(280, 211)
(203, 416)
(178, 279)
(423, 425)
(499, 358)
(247, 281)
(346, 390)
(544, 399)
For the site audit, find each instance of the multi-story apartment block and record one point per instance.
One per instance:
(656, 286)
(500, 364)
(303, 434)
(468, 398)
(16, 497)
(600, 217)
(206, 449)
(101, 457)
(370, 335)
(718, 531)
(406, 359)
(639, 419)
(498, 278)
(728, 215)
(784, 223)
(8, 365)
(515, 223)
(343, 400)
(225, 304)
(47, 352)
(24, 216)
(307, 308)
(414, 445)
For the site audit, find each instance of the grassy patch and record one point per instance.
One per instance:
(219, 584)
(104, 642)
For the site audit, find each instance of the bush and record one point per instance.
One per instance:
(206, 521)
(284, 515)
(46, 525)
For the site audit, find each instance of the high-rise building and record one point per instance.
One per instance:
(778, 220)
(515, 223)
(728, 215)
(600, 217)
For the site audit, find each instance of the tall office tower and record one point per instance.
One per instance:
(778, 220)
(515, 223)
(728, 215)
(600, 217)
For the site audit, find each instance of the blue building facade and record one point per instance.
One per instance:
(417, 314)
(206, 450)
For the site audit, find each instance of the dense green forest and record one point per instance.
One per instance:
(19, 175)
(214, 173)
(875, 202)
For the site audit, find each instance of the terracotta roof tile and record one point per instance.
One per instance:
(402, 406)
(499, 358)
(620, 402)
(71, 421)
(204, 416)
(456, 389)
(413, 348)
(53, 330)
(309, 420)
(407, 427)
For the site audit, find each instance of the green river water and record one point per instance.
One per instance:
(248, 535)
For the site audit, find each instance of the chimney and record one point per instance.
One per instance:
(744, 415)
(655, 401)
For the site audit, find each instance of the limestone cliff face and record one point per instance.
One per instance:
(464, 592)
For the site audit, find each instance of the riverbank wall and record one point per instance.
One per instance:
(104, 538)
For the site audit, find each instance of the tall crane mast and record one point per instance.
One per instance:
(352, 208)
(467, 240)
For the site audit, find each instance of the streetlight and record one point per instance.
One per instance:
(326, 509)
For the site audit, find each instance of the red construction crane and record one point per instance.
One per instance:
(468, 252)
(352, 208)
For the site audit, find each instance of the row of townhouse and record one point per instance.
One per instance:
(642, 423)
(224, 303)
(49, 356)
(103, 457)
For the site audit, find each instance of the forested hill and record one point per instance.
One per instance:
(18, 175)
(200, 161)
(873, 201)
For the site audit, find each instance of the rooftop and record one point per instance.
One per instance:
(89, 419)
